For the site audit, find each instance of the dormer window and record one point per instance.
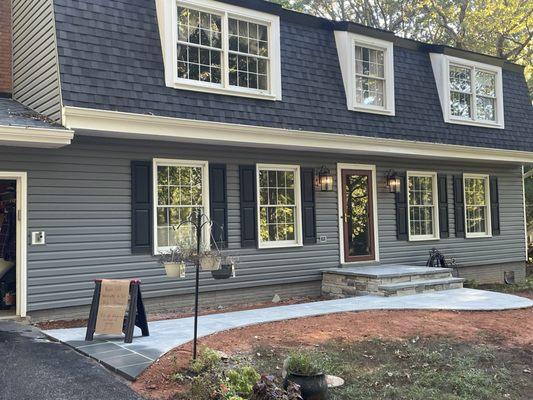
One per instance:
(368, 72)
(220, 48)
(470, 92)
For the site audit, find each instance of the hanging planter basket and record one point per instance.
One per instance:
(209, 262)
(225, 271)
(175, 269)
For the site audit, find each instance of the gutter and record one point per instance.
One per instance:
(125, 125)
(35, 137)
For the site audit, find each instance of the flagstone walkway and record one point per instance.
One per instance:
(130, 360)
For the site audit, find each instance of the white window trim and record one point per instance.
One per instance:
(488, 224)
(158, 162)
(441, 70)
(436, 226)
(298, 236)
(346, 42)
(167, 16)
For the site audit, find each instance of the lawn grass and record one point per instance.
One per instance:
(417, 369)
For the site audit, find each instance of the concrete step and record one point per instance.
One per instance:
(387, 271)
(419, 286)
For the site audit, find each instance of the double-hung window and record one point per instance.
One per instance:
(180, 193)
(423, 206)
(477, 205)
(470, 92)
(279, 211)
(368, 72)
(220, 48)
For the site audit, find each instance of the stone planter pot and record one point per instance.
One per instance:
(210, 262)
(314, 387)
(175, 269)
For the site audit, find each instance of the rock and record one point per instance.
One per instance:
(276, 298)
(334, 381)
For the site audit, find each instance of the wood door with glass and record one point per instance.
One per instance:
(358, 215)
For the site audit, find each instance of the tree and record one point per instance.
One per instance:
(502, 28)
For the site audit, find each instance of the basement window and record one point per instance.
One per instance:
(215, 47)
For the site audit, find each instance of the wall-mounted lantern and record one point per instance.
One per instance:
(325, 180)
(393, 182)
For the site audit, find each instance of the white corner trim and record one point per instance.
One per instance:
(167, 17)
(340, 208)
(441, 71)
(34, 137)
(525, 175)
(346, 42)
(151, 127)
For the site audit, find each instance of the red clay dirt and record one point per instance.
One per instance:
(503, 328)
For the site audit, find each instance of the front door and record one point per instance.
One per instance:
(357, 215)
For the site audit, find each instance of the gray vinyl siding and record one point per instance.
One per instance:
(35, 67)
(80, 196)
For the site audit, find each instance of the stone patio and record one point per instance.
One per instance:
(130, 360)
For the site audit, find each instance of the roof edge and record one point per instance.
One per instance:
(142, 126)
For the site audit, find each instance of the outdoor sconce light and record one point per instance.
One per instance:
(393, 182)
(325, 180)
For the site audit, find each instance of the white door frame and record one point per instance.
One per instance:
(364, 167)
(22, 206)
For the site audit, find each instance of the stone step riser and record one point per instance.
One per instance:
(338, 285)
(417, 290)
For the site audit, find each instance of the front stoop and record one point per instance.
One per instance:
(387, 280)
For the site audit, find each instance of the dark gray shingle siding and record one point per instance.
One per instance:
(110, 58)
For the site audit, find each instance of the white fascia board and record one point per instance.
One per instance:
(35, 137)
(139, 126)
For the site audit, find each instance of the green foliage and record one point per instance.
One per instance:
(502, 28)
(241, 380)
(303, 362)
(203, 387)
(207, 360)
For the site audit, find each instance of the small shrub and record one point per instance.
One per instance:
(304, 363)
(204, 387)
(241, 380)
(207, 360)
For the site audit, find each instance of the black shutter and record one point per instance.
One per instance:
(248, 206)
(218, 207)
(494, 205)
(402, 228)
(459, 204)
(141, 207)
(308, 205)
(442, 185)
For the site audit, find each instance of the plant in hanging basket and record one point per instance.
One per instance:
(210, 260)
(226, 270)
(174, 261)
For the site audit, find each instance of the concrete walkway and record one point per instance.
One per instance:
(131, 359)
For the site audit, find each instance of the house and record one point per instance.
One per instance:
(311, 144)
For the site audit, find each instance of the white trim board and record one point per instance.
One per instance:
(22, 233)
(340, 208)
(138, 126)
(34, 137)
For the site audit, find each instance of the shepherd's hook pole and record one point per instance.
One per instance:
(196, 294)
